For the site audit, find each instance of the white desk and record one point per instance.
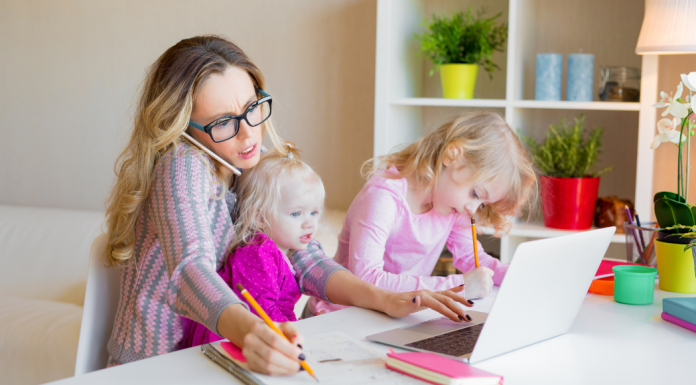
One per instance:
(609, 343)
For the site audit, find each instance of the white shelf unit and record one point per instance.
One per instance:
(408, 102)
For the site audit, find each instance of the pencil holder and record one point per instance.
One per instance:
(634, 285)
(640, 243)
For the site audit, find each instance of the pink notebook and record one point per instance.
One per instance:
(432, 362)
(679, 322)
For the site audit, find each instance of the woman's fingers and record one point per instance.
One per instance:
(454, 294)
(293, 334)
(445, 306)
(269, 353)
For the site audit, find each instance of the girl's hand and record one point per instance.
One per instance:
(444, 302)
(269, 353)
(478, 282)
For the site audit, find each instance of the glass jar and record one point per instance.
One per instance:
(619, 84)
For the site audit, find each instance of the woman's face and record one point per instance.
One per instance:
(228, 94)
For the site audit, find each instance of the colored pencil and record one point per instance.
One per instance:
(270, 323)
(473, 236)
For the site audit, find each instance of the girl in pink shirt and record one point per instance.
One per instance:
(280, 202)
(423, 197)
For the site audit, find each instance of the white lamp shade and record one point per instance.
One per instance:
(669, 27)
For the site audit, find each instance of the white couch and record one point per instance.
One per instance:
(43, 270)
(44, 256)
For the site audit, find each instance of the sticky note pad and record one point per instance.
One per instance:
(233, 351)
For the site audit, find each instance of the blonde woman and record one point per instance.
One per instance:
(169, 215)
(422, 198)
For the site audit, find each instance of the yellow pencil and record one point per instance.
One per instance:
(473, 235)
(270, 323)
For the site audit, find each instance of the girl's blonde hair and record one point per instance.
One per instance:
(259, 191)
(162, 115)
(480, 141)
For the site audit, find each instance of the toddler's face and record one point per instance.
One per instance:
(298, 214)
(450, 197)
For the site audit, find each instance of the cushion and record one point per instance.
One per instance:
(44, 253)
(38, 340)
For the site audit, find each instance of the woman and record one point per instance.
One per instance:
(169, 215)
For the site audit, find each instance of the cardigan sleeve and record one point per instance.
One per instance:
(313, 270)
(181, 189)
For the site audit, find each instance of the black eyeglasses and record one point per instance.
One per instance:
(228, 126)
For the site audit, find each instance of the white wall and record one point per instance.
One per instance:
(69, 72)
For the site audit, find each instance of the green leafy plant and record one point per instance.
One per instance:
(566, 153)
(682, 231)
(464, 38)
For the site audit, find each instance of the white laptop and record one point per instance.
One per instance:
(538, 299)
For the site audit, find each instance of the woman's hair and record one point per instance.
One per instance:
(259, 191)
(162, 115)
(480, 141)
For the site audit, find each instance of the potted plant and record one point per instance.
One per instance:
(569, 183)
(458, 45)
(675, 216)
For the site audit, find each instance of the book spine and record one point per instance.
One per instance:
(679, 322)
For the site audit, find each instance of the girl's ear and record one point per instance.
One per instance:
(452, 154)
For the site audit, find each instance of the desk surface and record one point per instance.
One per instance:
(609, 343)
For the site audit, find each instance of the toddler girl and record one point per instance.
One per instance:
(424, 196)
(280, 200)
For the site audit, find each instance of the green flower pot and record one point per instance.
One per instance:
(458, 80)
(675, 267)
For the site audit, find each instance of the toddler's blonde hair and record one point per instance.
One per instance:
(259, 191)
(484, 143)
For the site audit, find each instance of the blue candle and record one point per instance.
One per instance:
(549, 68)
(580, 77)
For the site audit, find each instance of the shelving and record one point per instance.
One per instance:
(537, 104)
(408, 101)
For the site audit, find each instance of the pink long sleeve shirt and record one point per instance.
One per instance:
(385, 244)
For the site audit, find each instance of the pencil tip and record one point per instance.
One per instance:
(473, 221)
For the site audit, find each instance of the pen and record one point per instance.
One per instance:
(270, 323)
(473, 235)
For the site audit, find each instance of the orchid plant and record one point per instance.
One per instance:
(672, 211)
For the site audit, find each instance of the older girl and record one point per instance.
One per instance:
(169, 215)
(422, 198)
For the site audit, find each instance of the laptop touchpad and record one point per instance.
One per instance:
(444, 325)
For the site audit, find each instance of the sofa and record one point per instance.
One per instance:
(44, 255)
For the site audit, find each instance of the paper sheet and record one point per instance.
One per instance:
(339, 359)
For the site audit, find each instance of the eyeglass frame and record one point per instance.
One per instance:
(209, 127)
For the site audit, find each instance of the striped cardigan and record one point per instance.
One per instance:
(181, 240)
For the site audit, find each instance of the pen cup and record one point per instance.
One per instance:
(634, 285)
(640, 243)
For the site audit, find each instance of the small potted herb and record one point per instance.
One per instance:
(458, 45)
(569, 182)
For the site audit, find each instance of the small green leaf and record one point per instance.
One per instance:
(670, 213)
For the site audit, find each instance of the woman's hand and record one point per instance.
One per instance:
(479, 282)
(444, 302)
(265, 350)
(269, 353)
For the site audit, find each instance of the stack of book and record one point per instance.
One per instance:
(680, 311)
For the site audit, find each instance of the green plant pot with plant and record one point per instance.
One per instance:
(569, 184)
(458, 45)
(675, 216)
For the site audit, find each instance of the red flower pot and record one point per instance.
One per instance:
(569, 203)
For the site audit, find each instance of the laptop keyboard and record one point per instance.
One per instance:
(456, 343)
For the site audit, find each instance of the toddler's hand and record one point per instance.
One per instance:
(320, 312)
(478, 282)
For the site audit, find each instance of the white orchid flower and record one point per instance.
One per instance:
(668, 131)
(689, 80)
(676, 108)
